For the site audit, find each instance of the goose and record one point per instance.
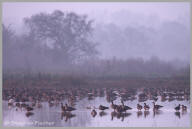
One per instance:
(51, 104)
(10, 102)
(28, 108)
(139, 107)
(184, 108)
(39, 105)
(67, 108)
(62, 107)
(113, 106)
(23, 105)
(124, 107)
(156, 107)
(178, 107)
(146, 107)
(18, 104)
(101, 107)
(93, 113)
(33, 104)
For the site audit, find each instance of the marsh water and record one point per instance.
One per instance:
(52, 116)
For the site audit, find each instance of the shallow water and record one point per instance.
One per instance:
(52, 116)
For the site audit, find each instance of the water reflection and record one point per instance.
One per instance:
(102, 113)
(119, 115)
(178, 114)
(157, 112)
(28, 114)
(67, 115)
(139, 114)
(146, 113)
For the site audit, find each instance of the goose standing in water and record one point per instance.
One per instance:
(28, 108)
(62, 107)
(178, 108)
(156, 107)
(124, 107)
(113, 106)
(101, 107)
(93, 113)
(10, 102)
(184, 108)
(139, 107)
(146, 107)
(67, 108)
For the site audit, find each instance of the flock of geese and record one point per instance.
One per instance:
(120, 109)
(20, 99)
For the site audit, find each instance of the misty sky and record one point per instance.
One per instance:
(139, 17)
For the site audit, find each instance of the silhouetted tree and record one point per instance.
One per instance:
(68, 34)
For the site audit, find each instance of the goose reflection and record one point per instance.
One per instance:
(178, 114)
(102, 113)
(28, 114)
(157, 112)
(123, 115)
(67, 115)
(119, 115)
(139, 114)
(184, 113)
(146, 113)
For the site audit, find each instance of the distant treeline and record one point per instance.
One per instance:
(60, 43)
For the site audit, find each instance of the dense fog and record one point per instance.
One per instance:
(68, 42)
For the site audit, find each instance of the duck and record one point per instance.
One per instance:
(184, 108)
(178, 107)
(146, 107)
(139, 107)
(101, 107)
(156, 107)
